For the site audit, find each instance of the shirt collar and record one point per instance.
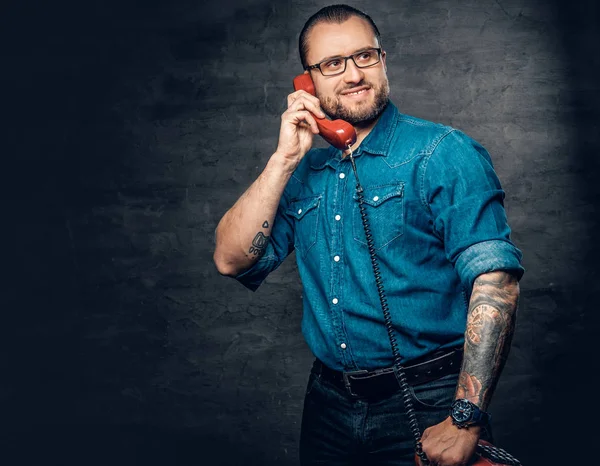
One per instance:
(377, 141)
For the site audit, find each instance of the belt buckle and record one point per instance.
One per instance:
(347, 375)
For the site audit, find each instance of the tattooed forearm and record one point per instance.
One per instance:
(490, 326)
(259, 243)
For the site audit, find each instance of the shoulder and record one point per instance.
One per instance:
(415, 137)
(459, 159)
(457, 148)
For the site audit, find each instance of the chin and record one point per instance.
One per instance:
(355, 113)
(361, 115)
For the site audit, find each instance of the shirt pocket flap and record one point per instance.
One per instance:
(301, 207)
(376, 195)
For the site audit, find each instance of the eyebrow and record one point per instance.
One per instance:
(353, 53)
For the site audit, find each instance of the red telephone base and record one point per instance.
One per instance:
(477, 461)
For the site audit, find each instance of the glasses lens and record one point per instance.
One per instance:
(366, 58)
(333, 66)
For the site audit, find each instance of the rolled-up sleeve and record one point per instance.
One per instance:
(280, 245)
(488, 256)
(464, 196)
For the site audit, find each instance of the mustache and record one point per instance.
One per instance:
(359, 84)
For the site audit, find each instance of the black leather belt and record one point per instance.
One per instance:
(382, 382)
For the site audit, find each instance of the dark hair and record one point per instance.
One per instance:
(331, 14)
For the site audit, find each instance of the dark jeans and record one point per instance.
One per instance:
(339, 429)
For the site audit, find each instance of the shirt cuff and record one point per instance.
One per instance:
(488, 256)
(255, 275)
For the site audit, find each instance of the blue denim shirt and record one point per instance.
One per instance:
(435, 207)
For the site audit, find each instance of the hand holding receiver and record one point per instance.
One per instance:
(338, 133)
(479, 459)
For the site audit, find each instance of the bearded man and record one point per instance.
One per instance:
(440, 234)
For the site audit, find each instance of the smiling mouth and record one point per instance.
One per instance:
(357, 92)
(360, 91)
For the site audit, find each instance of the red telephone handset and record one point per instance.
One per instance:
(338, 133)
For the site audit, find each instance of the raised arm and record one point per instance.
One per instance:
(243, 232)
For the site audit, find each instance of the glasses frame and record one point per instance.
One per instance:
(318, 65)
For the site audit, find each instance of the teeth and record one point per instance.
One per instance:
(358, 92)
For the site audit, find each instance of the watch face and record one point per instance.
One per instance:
(462, 411)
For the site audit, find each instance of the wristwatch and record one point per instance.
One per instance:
(465, 414)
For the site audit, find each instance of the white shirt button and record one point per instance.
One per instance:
(343, 346)
(299, 211)
(376, 198)
(342, 175)
(334, 301)
(338, 217)
(336, 258)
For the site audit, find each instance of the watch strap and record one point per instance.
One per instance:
(480, 418)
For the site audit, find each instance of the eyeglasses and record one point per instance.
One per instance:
(337, 65)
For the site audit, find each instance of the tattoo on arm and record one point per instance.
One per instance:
(490, 327)
(259, 243)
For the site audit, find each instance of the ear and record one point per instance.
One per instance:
(383, 55)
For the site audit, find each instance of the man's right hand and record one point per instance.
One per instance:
(298, 126)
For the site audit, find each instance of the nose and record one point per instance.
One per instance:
(353, 73)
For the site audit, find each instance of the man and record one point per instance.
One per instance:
(439, 231)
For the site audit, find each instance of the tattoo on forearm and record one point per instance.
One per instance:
(490, 326)
(259, 243)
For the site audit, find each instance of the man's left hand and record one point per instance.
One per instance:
(447, 445)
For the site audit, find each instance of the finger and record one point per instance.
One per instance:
(301, 116)
(302, 104)
(301, 93)
(291, 98)
(308, 102)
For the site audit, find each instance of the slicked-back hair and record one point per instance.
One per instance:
(331, 14)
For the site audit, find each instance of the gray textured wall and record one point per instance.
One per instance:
(134, 128)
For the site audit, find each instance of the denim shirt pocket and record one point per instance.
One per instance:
(384, 205)
(306, 214)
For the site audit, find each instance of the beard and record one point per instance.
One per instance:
(362, 114)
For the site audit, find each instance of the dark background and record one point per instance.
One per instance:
(131, 127)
